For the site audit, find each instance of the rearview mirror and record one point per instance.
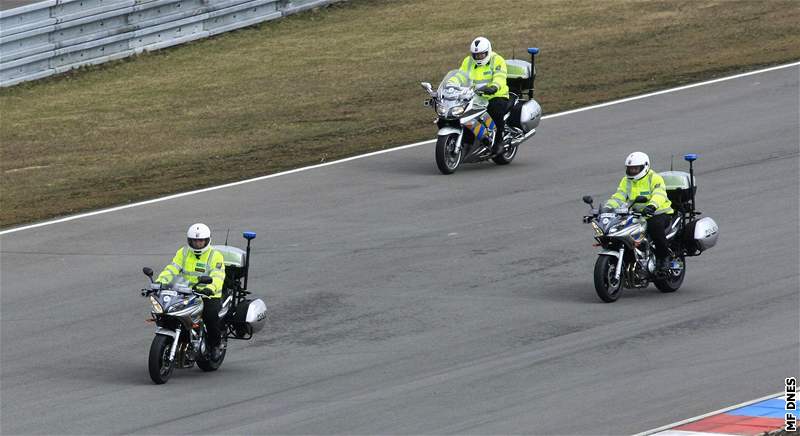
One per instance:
(588, 199)
(640, 199)
(205, 280)
(427, 87)
(148, 271)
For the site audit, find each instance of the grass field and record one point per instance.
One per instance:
(339, 81)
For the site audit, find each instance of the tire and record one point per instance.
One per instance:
(603, 274)
(158, 361)
(206, 364)
(507, 157)
(672, 283)
(446, 160)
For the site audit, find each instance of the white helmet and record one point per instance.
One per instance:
(636, 165)
(481, 50)
(198, 237)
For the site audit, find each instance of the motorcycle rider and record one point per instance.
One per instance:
(488, 71)
(198, 258)
(640, 179)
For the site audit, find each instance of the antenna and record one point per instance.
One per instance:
(513, 51)
(671, 161)
(226, 235)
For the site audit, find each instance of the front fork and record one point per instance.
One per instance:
(175, 339)
(619, 264)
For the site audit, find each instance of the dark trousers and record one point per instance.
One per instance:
(656, 226)
(498, 108)
(211, 308)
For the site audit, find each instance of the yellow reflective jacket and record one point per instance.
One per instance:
(494, 72)
(190, 267)
(651, 186)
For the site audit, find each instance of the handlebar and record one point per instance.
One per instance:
(203, 292)
(619, 211)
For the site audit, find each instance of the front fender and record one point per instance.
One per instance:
(445, 131)
(166, 332)
(611, 253)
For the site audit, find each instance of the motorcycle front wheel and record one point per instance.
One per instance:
(447, 159)
(158, 362)
(607, 288)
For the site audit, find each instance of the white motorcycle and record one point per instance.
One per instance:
(467, 132)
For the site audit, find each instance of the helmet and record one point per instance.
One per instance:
(636, 165)
(481, 50)
(198, 237)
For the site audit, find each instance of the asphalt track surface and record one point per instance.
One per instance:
(407, 302)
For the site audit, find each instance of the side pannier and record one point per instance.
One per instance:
(249, 318)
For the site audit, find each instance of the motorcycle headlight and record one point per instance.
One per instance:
(456, 111)
(441, 110)
(156, 306)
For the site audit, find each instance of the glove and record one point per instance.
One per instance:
(649, 210)
(205, 291)
(488, 90)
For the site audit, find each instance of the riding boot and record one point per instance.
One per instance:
(497, 147)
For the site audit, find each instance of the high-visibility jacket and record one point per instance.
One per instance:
(190, 267)
(651, 186)
(494, 72)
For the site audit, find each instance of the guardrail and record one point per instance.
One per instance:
(55, 36)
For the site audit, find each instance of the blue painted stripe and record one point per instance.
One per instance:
(772, 408)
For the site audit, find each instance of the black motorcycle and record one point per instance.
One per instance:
(177, 310)
(627, 258)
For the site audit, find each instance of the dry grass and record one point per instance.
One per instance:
(340, 81)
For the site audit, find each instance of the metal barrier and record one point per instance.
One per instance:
(54, 36)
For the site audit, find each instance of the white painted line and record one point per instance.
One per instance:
(666, 91)
(706, 415)
(375, 153)
(211, 188)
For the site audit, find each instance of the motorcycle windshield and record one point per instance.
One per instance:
(455, 86)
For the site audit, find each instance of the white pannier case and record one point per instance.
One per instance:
(705, 233)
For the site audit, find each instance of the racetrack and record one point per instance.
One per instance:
(406, 302)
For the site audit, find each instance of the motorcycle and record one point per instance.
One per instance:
(180, 339)
(627, 259)
(467, 132)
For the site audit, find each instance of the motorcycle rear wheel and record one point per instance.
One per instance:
(159, 364)
(507, 157)
(207, 364)
(604, 270)
(672, 283)
(446, 159)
